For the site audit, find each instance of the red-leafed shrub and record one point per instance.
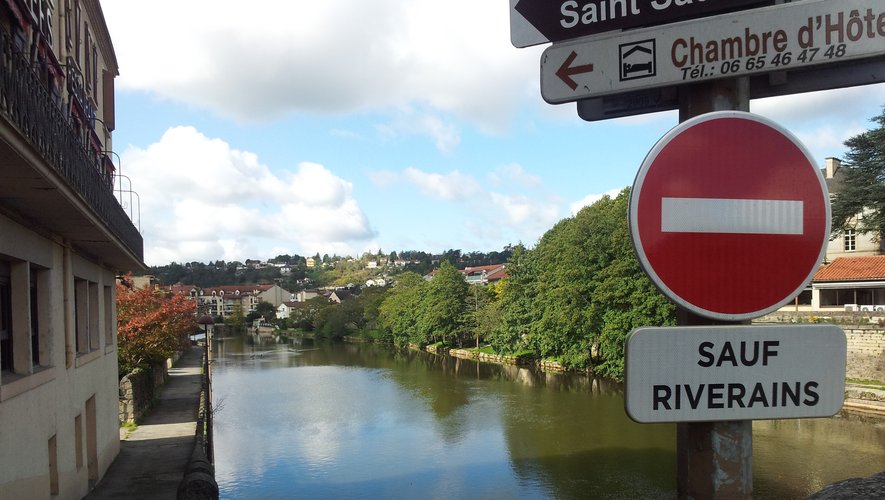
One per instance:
(151, 326)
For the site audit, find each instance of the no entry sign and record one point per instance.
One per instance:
(729, 215)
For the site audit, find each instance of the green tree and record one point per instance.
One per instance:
(485, 312)
(580, 291)
(399, 312)
(860, 203)
(623, 296)
(517, 312)
(236, 320)
(266, 310)
(443, 307)
(305, 314)
(566, 320)
(370, 301)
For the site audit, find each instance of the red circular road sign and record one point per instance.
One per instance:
(729, 215)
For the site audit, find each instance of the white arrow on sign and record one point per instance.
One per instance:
(711, 215)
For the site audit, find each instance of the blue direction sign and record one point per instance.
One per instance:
(533, 22)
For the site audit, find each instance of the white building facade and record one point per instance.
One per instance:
(64, 238)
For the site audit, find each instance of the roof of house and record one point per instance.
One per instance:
(834, 183)
(482, 269)
(178, 288)
(226, 289)
(244, 289)
(498, 274)
(853, 268)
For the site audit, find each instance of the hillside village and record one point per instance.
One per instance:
(851, 279)
(288, 281)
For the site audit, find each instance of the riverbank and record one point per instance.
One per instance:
(858, 398)
(864, 399)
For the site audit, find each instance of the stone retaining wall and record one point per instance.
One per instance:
(437, 349)
(136, 394)
(493, 358)
(138, 391)
(866, 352)
(865, 336)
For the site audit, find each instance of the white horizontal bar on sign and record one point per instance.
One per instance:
(719, 215)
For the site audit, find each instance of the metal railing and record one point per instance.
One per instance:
(26, 102)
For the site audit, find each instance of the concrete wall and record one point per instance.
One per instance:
(58, 419)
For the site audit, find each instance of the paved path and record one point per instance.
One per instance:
(154, 457)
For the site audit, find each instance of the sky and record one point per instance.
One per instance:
(251, 130)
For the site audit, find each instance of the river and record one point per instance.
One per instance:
(335, 420)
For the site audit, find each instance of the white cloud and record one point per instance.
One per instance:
(203, 200)
(824, 120)
(489, 217)
(411, 121)
(514, 173)
(593, 198)
(851, 104)
(383, 178)
(453, 186)
(522, 210)
(276, 58)
(345, 134)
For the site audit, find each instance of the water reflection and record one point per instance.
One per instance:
(323, 420)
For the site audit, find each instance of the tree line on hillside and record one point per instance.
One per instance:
(572, 298)
(327, 270)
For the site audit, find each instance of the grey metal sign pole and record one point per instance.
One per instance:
(713, 459)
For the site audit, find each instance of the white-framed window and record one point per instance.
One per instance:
(850, 240)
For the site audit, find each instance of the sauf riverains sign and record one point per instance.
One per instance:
(683, 374)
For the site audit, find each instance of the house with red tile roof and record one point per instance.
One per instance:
(224, 300)
(497, 275)
(483, 275)
(850, 283)
(853, 275)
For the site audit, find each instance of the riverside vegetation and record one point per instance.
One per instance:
(572, 299)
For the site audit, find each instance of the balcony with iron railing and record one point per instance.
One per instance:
(76, 176)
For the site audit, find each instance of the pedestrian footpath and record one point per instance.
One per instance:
(154, 457)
